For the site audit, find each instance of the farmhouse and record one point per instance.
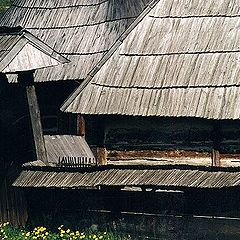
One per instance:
(162, 107)
(159, 98)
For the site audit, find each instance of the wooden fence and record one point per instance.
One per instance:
(74, 162)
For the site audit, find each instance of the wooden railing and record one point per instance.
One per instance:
(76, 162)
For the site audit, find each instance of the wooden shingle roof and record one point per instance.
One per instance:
(181, 59)
(168, 177)
(59, 146)
(21, 51)
(81, 30)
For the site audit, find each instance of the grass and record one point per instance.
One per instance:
(41, 233)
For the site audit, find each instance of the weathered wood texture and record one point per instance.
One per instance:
(13, 205)
(66, 147)
(26, 80)
(177, 157)
(21, 51)
(180, 60)
(81, 125)
(157, 177)
(102, 156)
(160, 141)
(83, 31)
(36, 124)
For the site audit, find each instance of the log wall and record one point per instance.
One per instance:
(168, 140)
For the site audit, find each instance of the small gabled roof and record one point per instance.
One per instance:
(182, 59)
(21, 51)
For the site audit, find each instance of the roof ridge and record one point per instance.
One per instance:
(104, 59)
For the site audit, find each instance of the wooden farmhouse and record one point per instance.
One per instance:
(161, 107)
(154, 123)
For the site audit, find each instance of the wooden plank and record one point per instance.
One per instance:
(102, 156)
(81, 125)
(216, 158)
(26, 79)
(36, 124)
(216, 145)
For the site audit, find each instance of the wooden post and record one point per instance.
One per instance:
(102, 156)
(81, 126)
(27, 80)
(216, 161)
(216, 158)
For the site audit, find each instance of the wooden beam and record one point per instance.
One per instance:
(216, 160)
(27, 79)
(102, 156)
(81, 126)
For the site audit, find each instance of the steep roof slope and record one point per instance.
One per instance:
(181, 59)
(22, 51)
(81, 30)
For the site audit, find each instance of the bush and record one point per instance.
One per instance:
(41, 233)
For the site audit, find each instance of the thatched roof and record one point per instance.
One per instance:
(181, 60)
(22, 51)
(168, 177)
(81, 30)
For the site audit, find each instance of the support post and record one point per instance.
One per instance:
(27, 80)
(216, 161)
(81, 126)
(101, 149)
(216, 158)
(102, 156)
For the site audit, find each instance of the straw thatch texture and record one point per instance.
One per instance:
(81, 30)
(181, 59)
(21, 51)
(171, 178)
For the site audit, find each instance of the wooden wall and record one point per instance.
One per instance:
(13, 204)
(185, 139)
